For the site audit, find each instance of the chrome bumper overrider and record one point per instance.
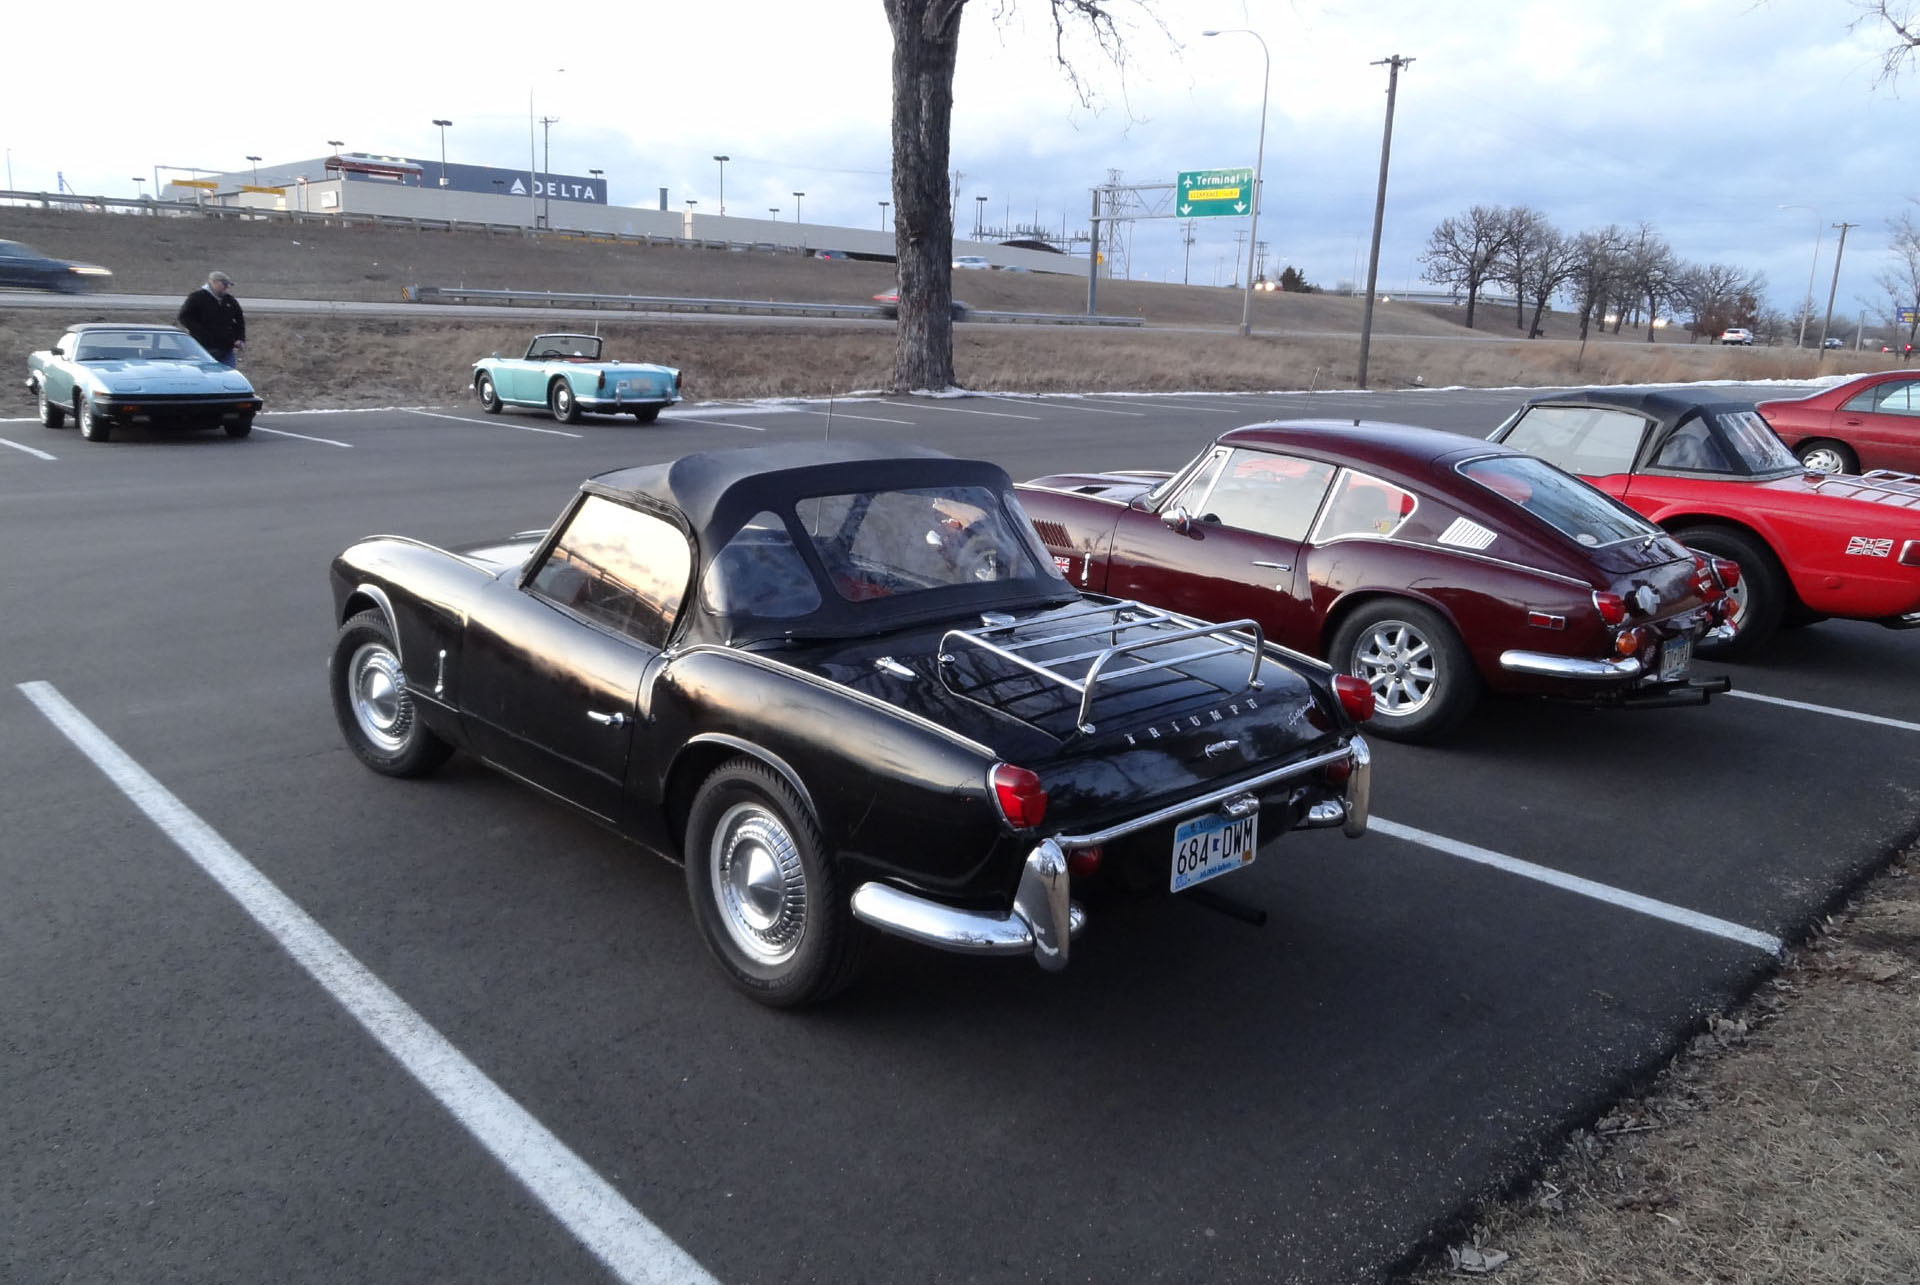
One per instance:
(1043, 920)
(1543, 664)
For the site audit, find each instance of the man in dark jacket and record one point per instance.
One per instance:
(212, 316)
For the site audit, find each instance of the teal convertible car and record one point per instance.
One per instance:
(565, 375)
(110, 374)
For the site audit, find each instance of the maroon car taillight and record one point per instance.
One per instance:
(1337, 772)
(1630, 642)
(1356, 696)
(1727, 572)
(1022, 802)
(1611, 606)
(1084, 862)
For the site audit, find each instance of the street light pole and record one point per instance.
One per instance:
(1393, 65)
(546, 165)
(1259, 162)
(796, 205)
(443, 148)
(1819, 230)
(256, 169)
(723, 182)
(979, 216)
(883, 209)
(1831, 290)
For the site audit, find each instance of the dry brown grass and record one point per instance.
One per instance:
(1781, 1148)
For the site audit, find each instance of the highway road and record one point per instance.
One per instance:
(268, 1016)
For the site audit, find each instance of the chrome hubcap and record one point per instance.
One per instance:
(758, 883)
(1737, 595)
(562, 399)
(1398, 663)
(378, 691)
(1823, 459)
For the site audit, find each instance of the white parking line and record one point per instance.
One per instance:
(928, 403)
(726, 423)
(1171, 404)
(599, 1216)
(1876, 719)
(1584, 887)
(1070, 404)
(491, 423)
(281, 432)
(28, 449)
(844, 414)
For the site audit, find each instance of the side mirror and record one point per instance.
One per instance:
(1179, 520)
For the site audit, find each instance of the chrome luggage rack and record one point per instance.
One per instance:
(1158, 630)
(1905, 485)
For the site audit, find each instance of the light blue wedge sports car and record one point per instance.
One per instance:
(564, 375)
(110, 374)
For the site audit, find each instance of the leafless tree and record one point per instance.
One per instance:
(1528, 233)
(1463, 251)
(926, 48)
(1901, 281)
(1599, 263)
(1651, 271)
(1898, 18)
(1717, 296)
(1555, 261)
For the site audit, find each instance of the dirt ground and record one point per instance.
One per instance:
(1781, 1145)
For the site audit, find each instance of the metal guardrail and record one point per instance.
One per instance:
(761, 307)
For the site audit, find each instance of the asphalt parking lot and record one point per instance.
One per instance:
(268, 1016)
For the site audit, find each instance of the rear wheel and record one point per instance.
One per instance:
(1822, 455)
(92, 427)
(560, 401)
(51, 415)
(371, 703)
(1423, 680)
(766, 898)
(489, 397)
(647, 414)
(1759, 600)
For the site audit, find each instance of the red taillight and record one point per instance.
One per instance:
(1084, 862)
(1611, 606)
(1356, 697)
(1337, 772)
(1022, 802)
(1728, 572)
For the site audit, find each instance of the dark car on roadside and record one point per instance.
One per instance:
(22, 265)
(847, 688)
(1431, 566)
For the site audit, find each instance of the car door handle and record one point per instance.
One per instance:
(607, 720)
(1277, 566)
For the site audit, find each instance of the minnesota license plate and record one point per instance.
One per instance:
(1208, 846)
(1676, 658)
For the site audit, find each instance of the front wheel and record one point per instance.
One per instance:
(1759, 600)
(560, 401)
(765, 897)
(1823, 456)
(489, 396)
(371, 702)
(51, 414)
(92, 427)
(239, 427)
(1423, 680)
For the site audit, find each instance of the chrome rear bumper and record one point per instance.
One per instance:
(1044, 920)
(1541, 664)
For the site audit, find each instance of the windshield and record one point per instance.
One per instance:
(885, 544)
(1587, 516)
(585, 347)
(137, 345)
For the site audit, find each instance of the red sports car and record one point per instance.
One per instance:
(1809, 545)
(1430, 565)
(1869, 422)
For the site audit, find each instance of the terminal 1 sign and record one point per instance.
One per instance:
(1211, 194)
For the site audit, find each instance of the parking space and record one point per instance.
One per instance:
(1553, 899)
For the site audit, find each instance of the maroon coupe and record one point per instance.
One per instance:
(1429, 564)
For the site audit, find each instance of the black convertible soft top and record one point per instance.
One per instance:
(715, 493)
(1666, 407)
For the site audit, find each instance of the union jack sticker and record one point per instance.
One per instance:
(1867, 547)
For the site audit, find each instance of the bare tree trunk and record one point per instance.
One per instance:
(1473, 293)
(926, 44)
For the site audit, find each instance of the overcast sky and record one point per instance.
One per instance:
(1701, 116)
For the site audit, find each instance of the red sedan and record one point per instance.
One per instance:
(1809, 545)
(1431, 565)
(1869, 422)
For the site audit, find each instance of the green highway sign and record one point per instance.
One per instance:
(1205, 194)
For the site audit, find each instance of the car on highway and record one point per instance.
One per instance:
(1867, 422)
(1710, 471)
(846, 687)
(889, 301)
(1737, 335)
(1830, 342)
(567, 374)
(107, 375)
(971, 262)
(1430, 565)
(22, 265)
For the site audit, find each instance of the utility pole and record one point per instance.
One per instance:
(1828, 320)
(546, 167)
(1393, 66)
(1239, 238)
(1187, 264)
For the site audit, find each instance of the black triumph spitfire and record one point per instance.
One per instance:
(849, 687)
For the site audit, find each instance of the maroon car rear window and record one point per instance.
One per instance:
(1585, 515)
